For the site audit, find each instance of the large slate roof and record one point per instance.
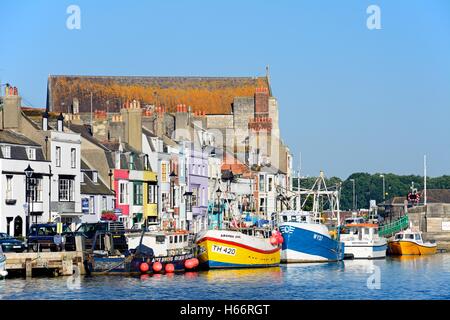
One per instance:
(214, 95)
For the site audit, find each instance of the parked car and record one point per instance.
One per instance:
(45, 236)
(11, 244)
(89, 231)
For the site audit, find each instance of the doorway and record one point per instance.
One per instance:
(18, 226)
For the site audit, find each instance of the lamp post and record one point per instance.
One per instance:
(218, 193)
(353, 181)
(384, 187)
(110, 174)
(28, 174)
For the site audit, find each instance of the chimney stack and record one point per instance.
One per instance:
(11, 112)
(132, 117)
(262, 102)
(45, 121)
(60, 123)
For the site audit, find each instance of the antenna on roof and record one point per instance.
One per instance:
(268, 79)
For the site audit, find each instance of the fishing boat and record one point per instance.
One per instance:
(139, 259)
(3, 272)
(362, 241)
(240, 248)
(306, 237)
(169, 247)
(409, 242)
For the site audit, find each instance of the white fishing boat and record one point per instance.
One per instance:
(3, 272)
(363, 242)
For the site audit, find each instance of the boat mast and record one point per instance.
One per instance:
(425, 180)
(298, 180)
(320, 190)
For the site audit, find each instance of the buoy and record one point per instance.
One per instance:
(157, 266)
(195, 262)
(280, 239)
(144, 267)
(170, 268)
(273, 240)
(189, 264)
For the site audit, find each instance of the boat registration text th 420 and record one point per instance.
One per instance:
(224, 250)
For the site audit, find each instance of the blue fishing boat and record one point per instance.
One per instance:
(306, 237)
(306, 240)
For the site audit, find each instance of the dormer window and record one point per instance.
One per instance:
(95, 176)
(31, 153)
(6, 151)
(82, 177)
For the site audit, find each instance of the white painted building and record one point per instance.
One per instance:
(17, 152)
(65, 155)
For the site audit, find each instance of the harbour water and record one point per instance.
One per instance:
(419, 277)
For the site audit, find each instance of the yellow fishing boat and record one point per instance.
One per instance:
(410, 242)
(237, 249)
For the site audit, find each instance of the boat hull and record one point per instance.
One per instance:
(305, 242)
(124, 266)
(411, 248)
(361, 251)
(232, 249)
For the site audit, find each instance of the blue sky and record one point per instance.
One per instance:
(351, 99)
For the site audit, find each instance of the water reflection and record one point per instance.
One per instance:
(243, 275)
(419, 277)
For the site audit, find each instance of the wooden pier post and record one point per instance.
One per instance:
(67, 267)
(79, 244)
(28, 268)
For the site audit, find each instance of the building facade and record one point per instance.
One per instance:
(24, 201)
